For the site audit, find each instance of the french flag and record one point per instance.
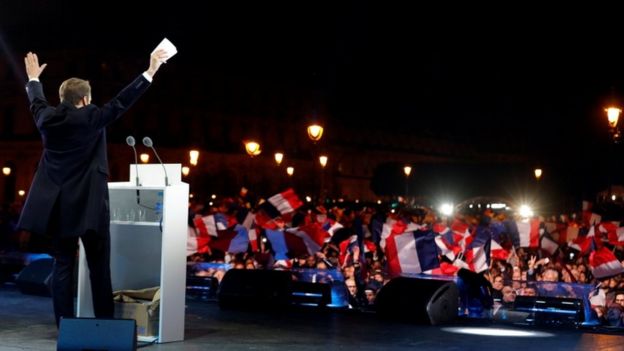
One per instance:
(408, 254)
(498, 252)
(614, 234)
(549, 245)
(446, 242)
(394, 227)
(529, 233)
(444, 269)
(250, 224)
(294, 242)
(286, 201)
(477, 258)
(234, 240)
(603, 263)
(211, 224)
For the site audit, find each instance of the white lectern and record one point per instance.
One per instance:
(148, 244)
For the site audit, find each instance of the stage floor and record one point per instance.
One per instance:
(26, 323)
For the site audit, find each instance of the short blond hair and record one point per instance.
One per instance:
(73, 90)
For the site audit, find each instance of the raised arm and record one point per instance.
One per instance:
(130, 94)
(156, 59)
(33, 69)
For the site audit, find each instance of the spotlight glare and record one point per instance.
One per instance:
(525, 211)
(498, 332)
(446, 209)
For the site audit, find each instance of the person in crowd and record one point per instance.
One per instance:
(356, 299)
(68, 199)
(615, 311)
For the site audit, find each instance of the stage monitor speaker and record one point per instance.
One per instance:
(34, 279)
(550, 311)
(255, 289)
(417, 300)
(97, 334)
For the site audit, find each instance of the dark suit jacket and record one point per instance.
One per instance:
(73, 169)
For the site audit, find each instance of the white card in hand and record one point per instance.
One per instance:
(169, 48)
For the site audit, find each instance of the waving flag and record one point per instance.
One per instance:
(294, 242)
(408, 254)
(548, 244)
(529, 233)
(286, 202)
(231, 240)
(603, 263)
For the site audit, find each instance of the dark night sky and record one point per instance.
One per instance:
(521, 80)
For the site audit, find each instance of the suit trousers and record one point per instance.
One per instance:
(97, 249)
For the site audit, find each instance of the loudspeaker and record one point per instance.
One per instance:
(34, 279)
(417, 300)
(97, 334)
(255, 289)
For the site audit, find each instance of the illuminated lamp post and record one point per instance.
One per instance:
(613, 115)
(315, 132)
(193, 157)
(407, 170)
(279, 157)
(323, 161)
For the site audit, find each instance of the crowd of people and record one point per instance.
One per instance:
(357, 251)
(353, 247)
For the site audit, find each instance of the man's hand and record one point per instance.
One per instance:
(156, 59)
(33, 70)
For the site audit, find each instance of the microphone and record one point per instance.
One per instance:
(131, 142)
(147, 141)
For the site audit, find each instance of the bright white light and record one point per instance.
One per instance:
(308, 199)
(193, 157)
(213, 196)
(613, 197)
(191, 195)
(470, 206)
(264, 240)
(446, 209)
(498, 206)
(210, 203)
(498, 332)
(525, 211)
(378, 202)
(21, 193)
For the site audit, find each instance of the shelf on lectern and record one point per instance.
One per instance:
(135, 205)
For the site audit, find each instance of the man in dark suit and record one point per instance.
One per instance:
(68, 198)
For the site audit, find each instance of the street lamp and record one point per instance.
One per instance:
(144, 158)
(6, 171)
(185, 171)
(315, 132)
(613, 115)
(279, 157)
(290, 171)
(323, 160)
(538, 173)
(252, 148)
(407, 170)
(194, 156)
